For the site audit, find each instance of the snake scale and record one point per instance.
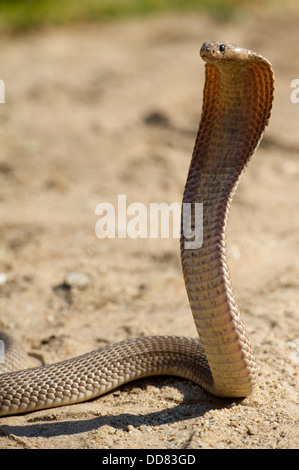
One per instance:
(237, 101)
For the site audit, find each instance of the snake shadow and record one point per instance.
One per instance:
(195, 403)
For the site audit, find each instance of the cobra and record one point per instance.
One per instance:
(237, 101)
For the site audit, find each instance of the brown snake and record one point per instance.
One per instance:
(237, 102)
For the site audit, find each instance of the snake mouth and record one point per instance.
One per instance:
(213, 50)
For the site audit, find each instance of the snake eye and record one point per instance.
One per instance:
(222, 47)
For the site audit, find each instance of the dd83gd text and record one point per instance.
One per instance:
(170, 459)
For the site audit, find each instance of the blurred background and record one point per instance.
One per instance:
(19, 15)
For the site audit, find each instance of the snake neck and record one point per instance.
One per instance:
(233, 118)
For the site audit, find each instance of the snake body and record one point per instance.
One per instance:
(237, 101)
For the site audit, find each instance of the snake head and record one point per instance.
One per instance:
(218, 51)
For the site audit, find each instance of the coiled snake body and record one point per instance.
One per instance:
(237, 101)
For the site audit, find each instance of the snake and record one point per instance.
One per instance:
(237, 101)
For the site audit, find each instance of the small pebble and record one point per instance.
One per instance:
(231, 405)
(75, 279)
(3, 279)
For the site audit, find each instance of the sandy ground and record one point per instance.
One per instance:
(96, 112)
